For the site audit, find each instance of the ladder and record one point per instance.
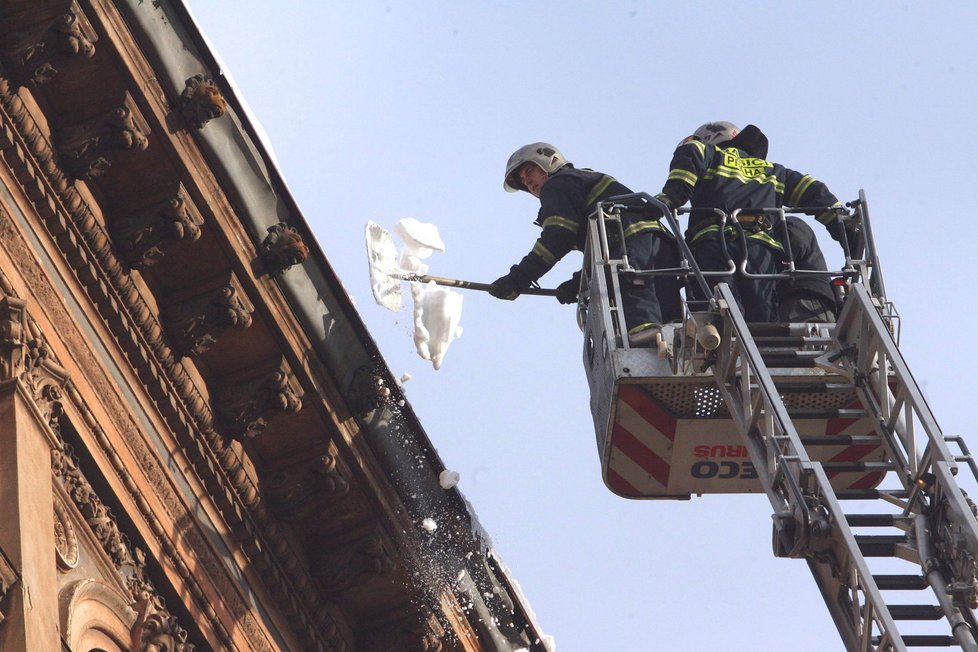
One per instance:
(895, 561)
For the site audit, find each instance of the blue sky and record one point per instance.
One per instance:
(384, 110)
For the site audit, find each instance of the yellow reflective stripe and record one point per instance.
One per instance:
(800, 189)
(699, 145)
(599, 188)
(562, 222)
(713, 228)
(687, 177)
(767, 239)
(640, 327)
(544, 253)
(643, 225)
(734, 173)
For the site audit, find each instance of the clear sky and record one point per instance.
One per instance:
(382, 110)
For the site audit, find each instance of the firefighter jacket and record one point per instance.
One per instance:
(566, 200)
(728, 177)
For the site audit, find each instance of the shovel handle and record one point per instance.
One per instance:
(472, 285)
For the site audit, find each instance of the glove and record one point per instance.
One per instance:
(510, 286)
(852, 233)
(567, 291)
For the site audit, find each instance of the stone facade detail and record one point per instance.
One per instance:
(36, 53)
(249, 402)
(155, 626)
(410, 633)
(87, 147)
(345, 567)
(65, 539)
(294, 488)
(143, 234)
(194, 323)
(282, 248)
(201, 101)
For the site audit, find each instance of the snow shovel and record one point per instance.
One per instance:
(386, 275)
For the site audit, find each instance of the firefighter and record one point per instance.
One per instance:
(568, 195)
(805, 298)
(722, 167)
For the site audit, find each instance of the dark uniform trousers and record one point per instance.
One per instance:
(755, 297)
(650, 299)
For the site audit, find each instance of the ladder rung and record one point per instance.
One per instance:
(875, 520)
(880, 545)
(870, 494)
(786, 341)
(900, 582)
(814, 413)
(916, 611)
(785, 359)
(928, 640)
(811, 388)
(839, 440)
(848, 467)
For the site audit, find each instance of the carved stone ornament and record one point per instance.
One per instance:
(283, 248)
(143, 234)
(246, 405)
(8, 577)
(194, 325)
(65, 540)
(158, 631)
(201, 101)
(36, 53)
(86, 147)
(24, 354)
(342, 569)
(320, 478)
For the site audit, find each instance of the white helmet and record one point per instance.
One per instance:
(544, 155)
(714, 133)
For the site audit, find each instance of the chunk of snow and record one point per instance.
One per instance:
(437, 312)
(448, 479)
(429, 525)
(405, 377)
(420, 239)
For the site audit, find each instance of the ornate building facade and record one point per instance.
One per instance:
(200, 446)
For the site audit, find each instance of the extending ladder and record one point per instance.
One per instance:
(921, 519)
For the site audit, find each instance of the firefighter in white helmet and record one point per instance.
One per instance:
(567, 197)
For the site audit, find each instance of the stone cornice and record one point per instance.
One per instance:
(88, 248)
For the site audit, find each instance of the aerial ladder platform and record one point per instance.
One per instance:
(826, 419)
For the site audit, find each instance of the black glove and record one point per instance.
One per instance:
(851, 231)
(567, 291)
(510, 286)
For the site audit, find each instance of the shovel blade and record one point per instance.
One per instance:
(382, 257)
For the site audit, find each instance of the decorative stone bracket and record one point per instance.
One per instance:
(321, 478)
(201, 101)
(35, 53)
(195, 318)
(252, 398)
(348, 566)
(86, 147)
(24, 354)
(283, 248)
(142, 234)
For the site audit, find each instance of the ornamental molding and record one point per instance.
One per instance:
(196, 317)
(87, 248)
(88, 148)
(348, 566)
(252, 398)
(33, 54)
(143, 234)
(201, 101)
(8, 577)
(282, 248)
(307, 485)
